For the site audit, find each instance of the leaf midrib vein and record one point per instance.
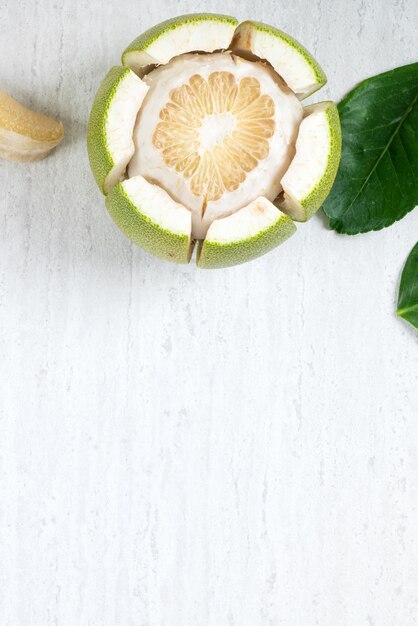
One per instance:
(407, 309)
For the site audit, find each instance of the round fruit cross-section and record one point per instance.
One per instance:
(201, 137)
(215, 131)
(224, 122)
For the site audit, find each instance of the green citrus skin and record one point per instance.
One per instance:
(284, 53)
(112, 118)
(301, 206)
(320, 192)
(144, 232)
(101, 161)
(140, 52)
(212, 254)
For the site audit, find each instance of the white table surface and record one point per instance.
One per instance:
(190, 448)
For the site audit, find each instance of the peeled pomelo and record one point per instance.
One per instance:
(24, 134)
(203, 139)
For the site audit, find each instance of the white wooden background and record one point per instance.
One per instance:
(190, 448)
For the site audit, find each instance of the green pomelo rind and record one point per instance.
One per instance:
(310, 204)
(317, 196)
(100, 157)
(213, 254)
(150, 36)
(145, 233)
(306, 56)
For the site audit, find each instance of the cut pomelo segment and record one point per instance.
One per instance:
(151, 219)
(287, 56)
(112, 119)
(215, 131)
(195, 32)
(312, 172)
(24, 134)
(245, 235)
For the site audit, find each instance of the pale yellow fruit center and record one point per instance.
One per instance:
(214, 131)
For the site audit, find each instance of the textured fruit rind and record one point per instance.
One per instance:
(143, 231)
(314, 200)
(144, 41)
(213, 254)
(318, 72)
(317, 69)
(101, 160)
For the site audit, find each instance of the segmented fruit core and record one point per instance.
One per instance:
(215, 131)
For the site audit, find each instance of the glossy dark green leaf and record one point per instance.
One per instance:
(377, 182)
(408, 291)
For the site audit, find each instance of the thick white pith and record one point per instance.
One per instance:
(155, 204)
(264, 177)
(291, 62)
(120, 121)
(310, 162)
(204, 35)
(214, 129)
(257, 216)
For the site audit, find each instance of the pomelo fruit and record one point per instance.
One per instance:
(201, 137)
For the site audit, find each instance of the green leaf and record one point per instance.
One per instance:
(408, 291)
(377, 182)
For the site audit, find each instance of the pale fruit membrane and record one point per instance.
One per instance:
(203, 32)
(286, 55)
(24, 134)
(312, 172)
(152, 219)
(250, 232)
(112, 119)
(215, 131)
